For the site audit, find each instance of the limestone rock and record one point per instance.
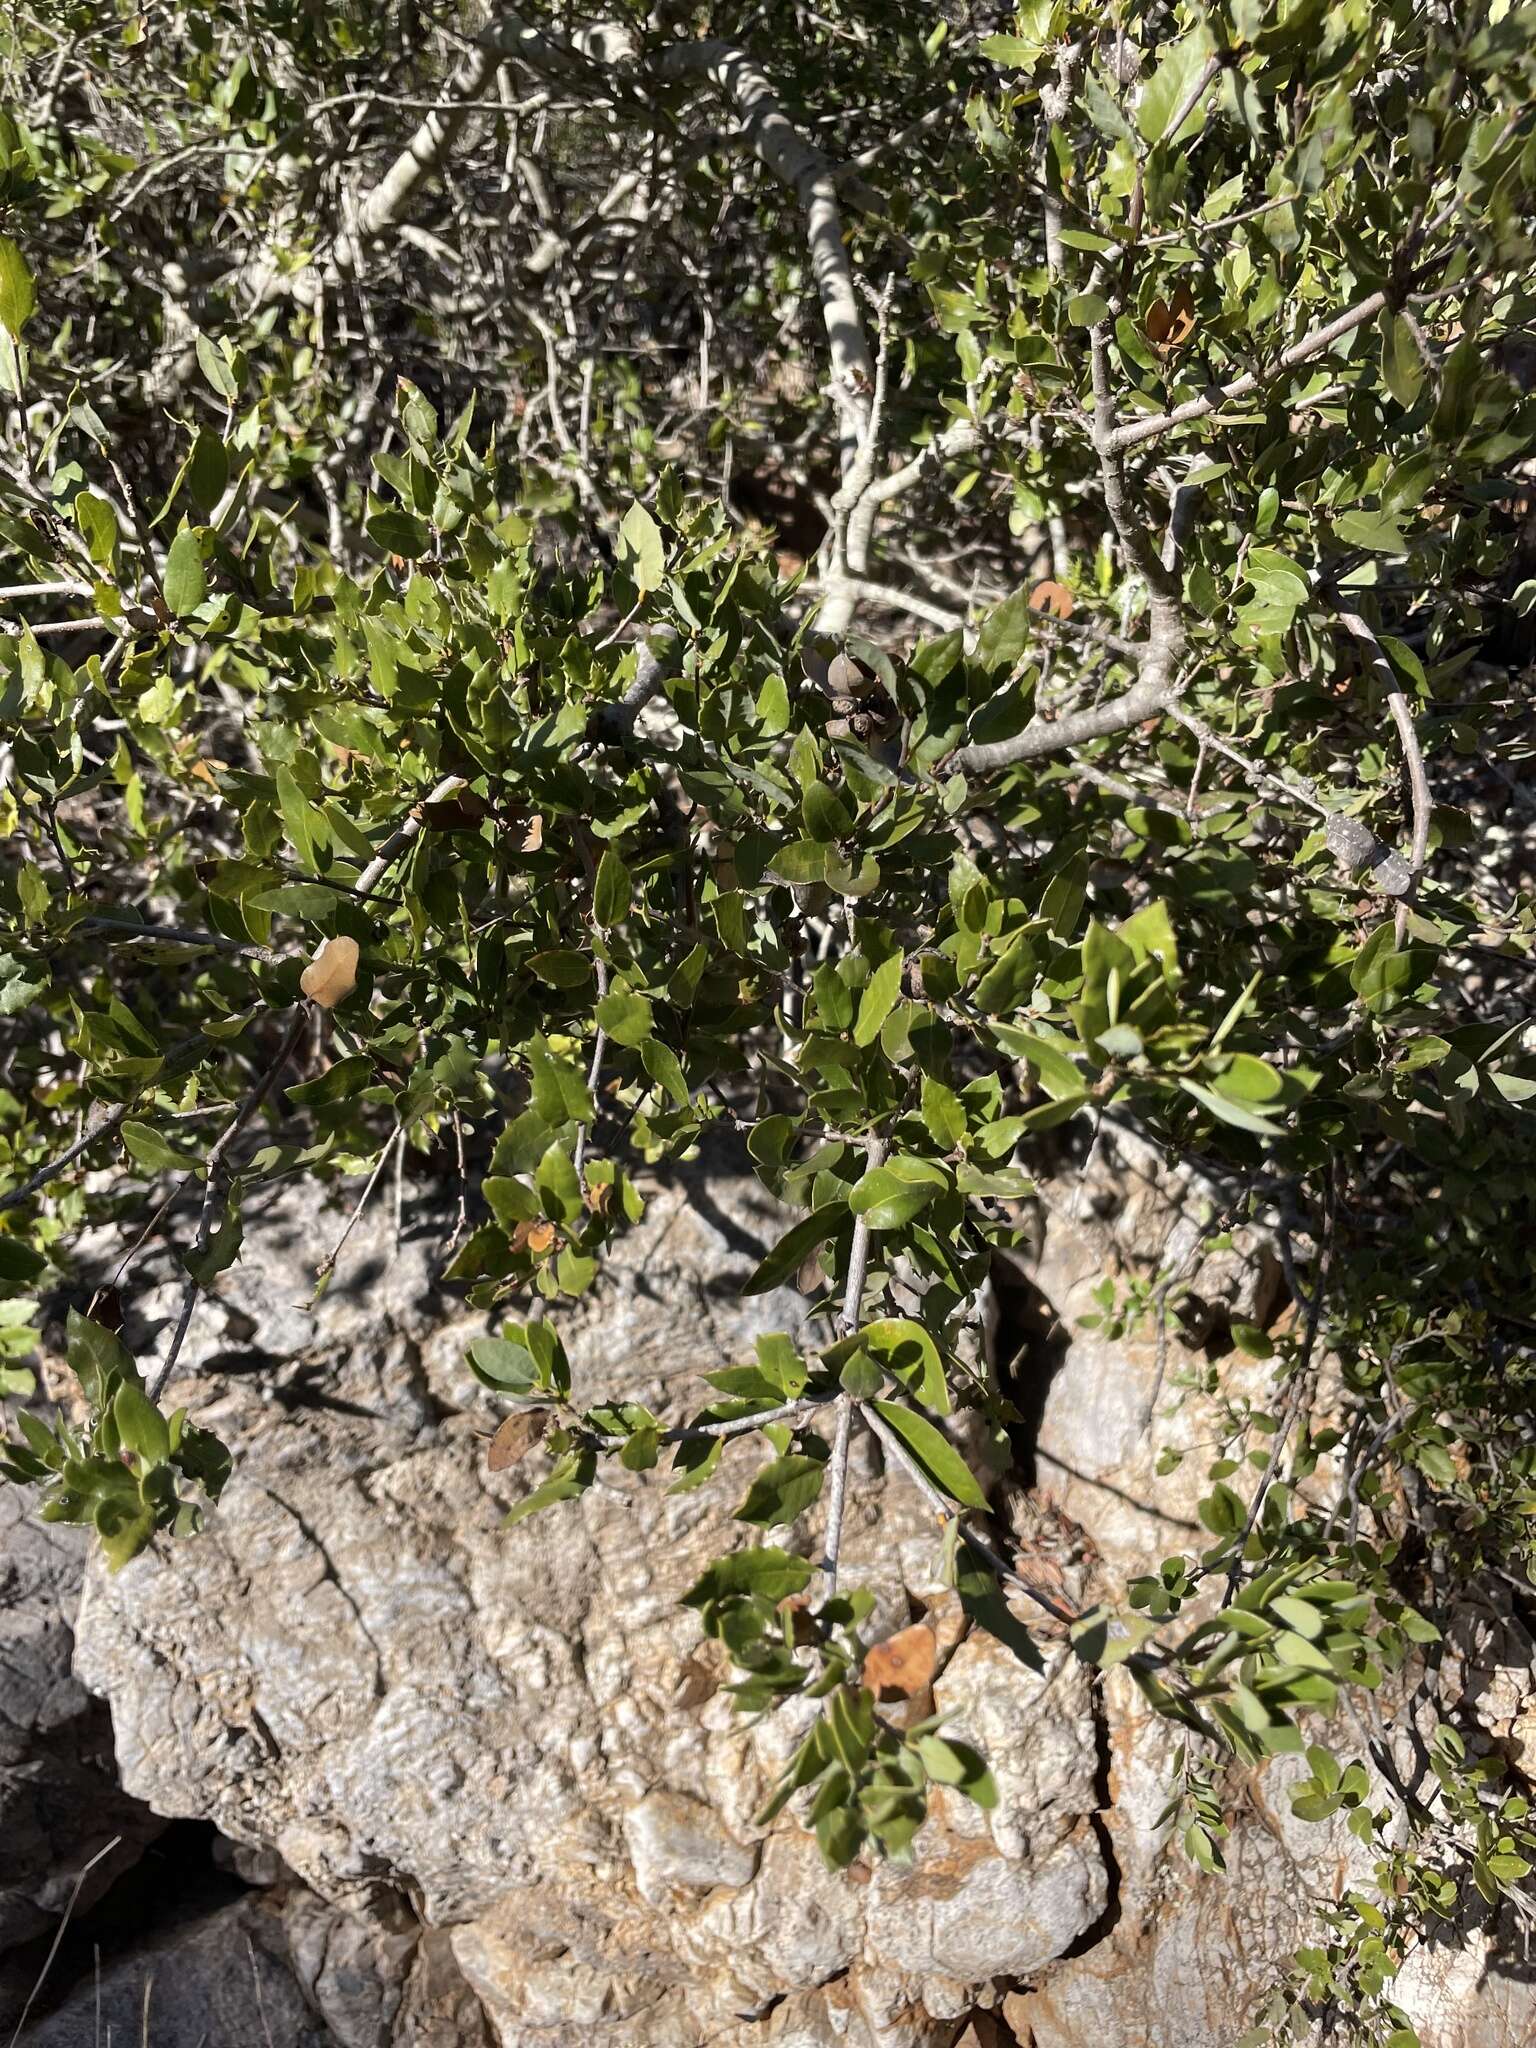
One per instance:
(366, 1681)
(358, 1669)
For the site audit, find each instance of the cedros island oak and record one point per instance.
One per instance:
(909, 582)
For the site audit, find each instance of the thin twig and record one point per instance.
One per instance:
(847, 1324)
(739, 1425)
(211, 1202)
(100, 1122)
(403, 835)
(176, 935)
(328, 1264)
(42, 1975)
(1413, 754)
(1134, 433)
(946, 1511)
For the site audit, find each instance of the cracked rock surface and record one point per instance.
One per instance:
(515, 1740)
(356, 1667)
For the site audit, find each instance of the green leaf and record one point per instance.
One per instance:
(339, 1081)
(796, 1246)
(98, 526)
(18, 296)
(1011, 51)
(626, 1018)
(1087, 309)
(399, 532)
(1171, 84)
(642, 549)
(665, 1069)
(124, 1528)
(503, 1364)
(783, 1490)
(1402, 367)
(141, 1427)
(949, 1762)
(803, 860)
(858, 1374)
(570, 1479)
(908, 1353)
(943, 1113)
(1378, 531)
(886, 1200)
(145, 1147)
(1232, 1112)
(215, 366)
(1003, 635)
(878, 999)
(95, 1356)
(184, 582)
(611, 891)
(769, 1574)
(934, 1453)
(1009, 981)
(558, 1185)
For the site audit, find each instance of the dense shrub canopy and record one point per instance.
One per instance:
(909, 582)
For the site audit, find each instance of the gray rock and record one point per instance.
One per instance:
(224, 1979)
(60, 1804)
(364, 1680)
(359, 1670)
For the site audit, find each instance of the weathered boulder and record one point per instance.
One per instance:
(357, 1671)
(1113, 1404)
(358, 1668)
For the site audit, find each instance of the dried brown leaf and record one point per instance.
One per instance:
(903, 1664)
(1169, 326)
(516, 1437)
(332, 974)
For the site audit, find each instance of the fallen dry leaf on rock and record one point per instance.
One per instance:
(903, 1664)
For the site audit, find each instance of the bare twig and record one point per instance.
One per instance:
(610, 725)
(594, 1073)
(1413, 754)
(132, 932)
(1156, 687)
(847, 1324)
(1134, 433)
(739, 1425)
(211, 1199)
(328, 1264)
(404, 834)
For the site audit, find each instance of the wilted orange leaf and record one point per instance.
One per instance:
(535, 1237)
(332, 974)
(903, 1664)
(1051, 597)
